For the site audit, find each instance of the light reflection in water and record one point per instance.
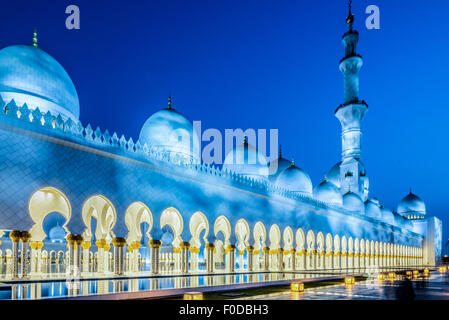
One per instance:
(55, 289)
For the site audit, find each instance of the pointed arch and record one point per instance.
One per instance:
(242, 232)
(44, 202)
(288, 238)
(198, 222)
(136, 214)
(300, 239)
(172, 218)
(275, 237)
(100, 208)
(259, 235)
(223, 225)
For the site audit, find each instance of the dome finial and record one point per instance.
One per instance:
(34, 39)
(293, 161)
(169, 102)
(325, 177)
(280, 151)
(411, 190)
(350, 18)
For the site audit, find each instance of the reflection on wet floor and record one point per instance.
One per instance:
(57, 289)
(433, 287)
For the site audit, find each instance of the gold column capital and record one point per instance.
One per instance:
(15, 236)
(86, 245)
(155, 244)
(100, 243)
(184, 245)
(119, 242)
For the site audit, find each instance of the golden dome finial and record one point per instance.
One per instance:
(350, 18)
(34, 39)
(169, 102)
(293, 160)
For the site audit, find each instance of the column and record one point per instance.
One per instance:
(71, 246)
(154, 255)
(194, 258)
(241, 259)
(293, 255)
(78, 252)
(184, 245)
(106, 249)
(119, 254)
(230, 258)
(249, 257)
(266, 258)
(36, 247)
(280, 255)
(100, 255)
(86, 258)
(135, 256)
(26, 236)
(15, 237)
(210, 248)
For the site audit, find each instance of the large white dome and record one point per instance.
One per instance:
(334, 175)
(170, 133)
(30, 75)
(387, 215)
(352, 202)
(246, 160)
(277, 166)
(295, 179)
(328, 192)
(372, 209)
(411, 205)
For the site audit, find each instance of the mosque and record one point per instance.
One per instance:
(77, 198)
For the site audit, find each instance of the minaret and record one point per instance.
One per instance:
(350, 114)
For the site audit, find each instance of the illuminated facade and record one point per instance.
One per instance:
(72, 197)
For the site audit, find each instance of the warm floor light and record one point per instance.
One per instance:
(408, 273)
(391, 275)
(426, 271)
(297, 287)
(415, 272)
(193, 296)
(380, 276)
(349, 280)
(442, 269)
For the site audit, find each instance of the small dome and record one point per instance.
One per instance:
(57, 234)
(411, 204)
(328, 192)
(277, 166)
(295, 179)
(30, 75)
(247, 160)
(170, 133)
(372, 209)
(353, 202)
(334, 175)
(387, 215)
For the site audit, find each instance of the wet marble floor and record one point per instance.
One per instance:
(433, 287)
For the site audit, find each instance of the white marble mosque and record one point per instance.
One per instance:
(77, 198)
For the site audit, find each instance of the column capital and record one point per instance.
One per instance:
(36, 245)
(100, 243)
(184, 245)
(250, 248)
(25, 236)
(209, 246)
(86, 245)
(119, 242)
(155, 244)
(266, 249)
(15, 236)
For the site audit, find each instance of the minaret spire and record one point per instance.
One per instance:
(351, 113)
(35, 39)
(350, 18)
(169, 102)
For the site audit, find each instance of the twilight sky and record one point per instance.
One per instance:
(264, 64)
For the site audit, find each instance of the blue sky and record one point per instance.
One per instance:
(264, 64)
